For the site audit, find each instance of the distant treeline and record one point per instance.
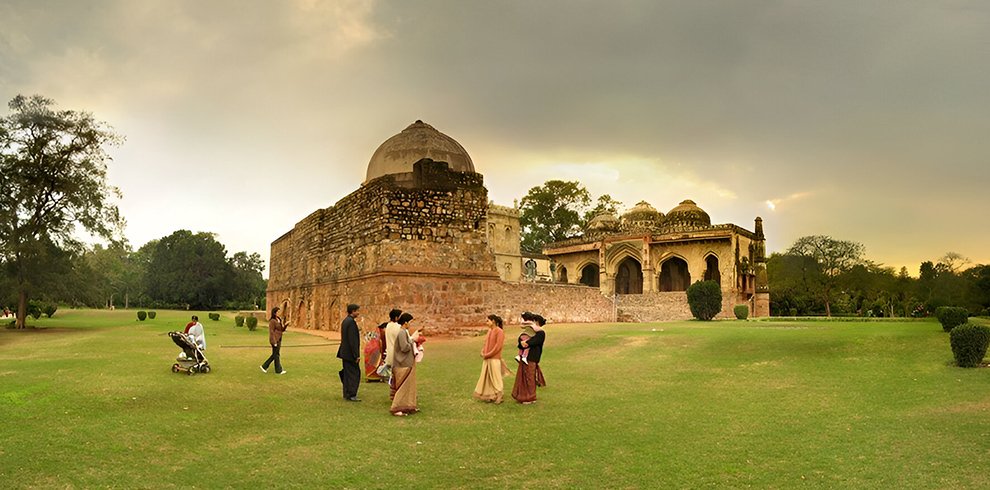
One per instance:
(822, 276)
(182, 270)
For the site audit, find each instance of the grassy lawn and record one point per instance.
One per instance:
(91, 402)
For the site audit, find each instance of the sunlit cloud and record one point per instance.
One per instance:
(773, 204)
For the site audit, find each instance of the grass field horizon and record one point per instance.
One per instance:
(89, 401)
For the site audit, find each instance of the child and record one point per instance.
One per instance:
(528, 331)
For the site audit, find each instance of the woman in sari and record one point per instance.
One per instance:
(404, 370)
(529, 375)
(374, 353)
(490, 383)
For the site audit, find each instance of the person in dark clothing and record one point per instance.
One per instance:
(349, 353)
(275, 328)
(529, 375)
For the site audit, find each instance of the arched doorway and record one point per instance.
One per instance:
(562, 274)
(674, 275)
(629, 277)
(711, 270)
(589, 275)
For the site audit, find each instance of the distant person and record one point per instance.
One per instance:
(276, 326)
(391, 332)
(529, 375)
(196, 332)
(6, 312)
(349, 353)
(528, 322)
(374, 354)
(404, 370)
(490, 384)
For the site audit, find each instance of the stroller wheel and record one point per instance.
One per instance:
(206, 369)
(175, 368)
(191, 371)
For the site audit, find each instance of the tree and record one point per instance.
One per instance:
(830, 259)
(117, 275)
(552, 212)
(605, 204)
(53, 174)
(189, 269)
(249, 284)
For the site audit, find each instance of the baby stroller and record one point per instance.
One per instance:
(192, 360)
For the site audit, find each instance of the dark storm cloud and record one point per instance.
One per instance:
(864, 120)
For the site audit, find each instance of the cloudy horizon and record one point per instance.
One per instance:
(865, 121)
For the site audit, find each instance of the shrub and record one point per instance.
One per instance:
(151, 315)
(142, 315)
(969, 344)
(214, 316)
(705, 299)
(793, 312)
(252, 323)
(239, 321)
(34, 309)
(951, 316)
(49, 310)
(741, 311)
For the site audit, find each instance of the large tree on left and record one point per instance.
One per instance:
(53, 184)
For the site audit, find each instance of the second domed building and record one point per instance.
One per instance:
(647, 259)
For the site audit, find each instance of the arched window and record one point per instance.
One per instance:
(629, 277)
(562, 274)
(711, 271)
(674, 275)
(508, 234)
(589, 275)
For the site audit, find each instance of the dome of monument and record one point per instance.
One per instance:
(686, 215)
(602, 223)
(642, 216)
(420, 140)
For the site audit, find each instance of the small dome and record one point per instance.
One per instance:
(642, 216)
(686, 215)
(420, 140)
(603, 222)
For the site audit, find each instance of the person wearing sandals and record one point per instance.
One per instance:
(275, 328)
(490, 384)
(404, 370)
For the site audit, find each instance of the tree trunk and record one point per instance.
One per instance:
(21, 309)
(828, 309)
(126, 300)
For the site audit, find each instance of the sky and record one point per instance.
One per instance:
(864, 121)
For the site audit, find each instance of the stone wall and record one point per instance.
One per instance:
(445, 305)
(670, 306)
(431, 219)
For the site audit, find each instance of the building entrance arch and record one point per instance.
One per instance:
(674, 275)
(629, 277)
(590, 275)
(711, 269)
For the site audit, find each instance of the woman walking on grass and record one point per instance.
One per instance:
(490, 383)
(404, 370)
(275, 328)
(529, 375)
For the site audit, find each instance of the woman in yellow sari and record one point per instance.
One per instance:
(490, 383)
(404, 370)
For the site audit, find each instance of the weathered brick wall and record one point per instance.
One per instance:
(443, 304)
(671, 306)
(431, 219)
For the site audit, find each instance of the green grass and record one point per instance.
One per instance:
(92, 403)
